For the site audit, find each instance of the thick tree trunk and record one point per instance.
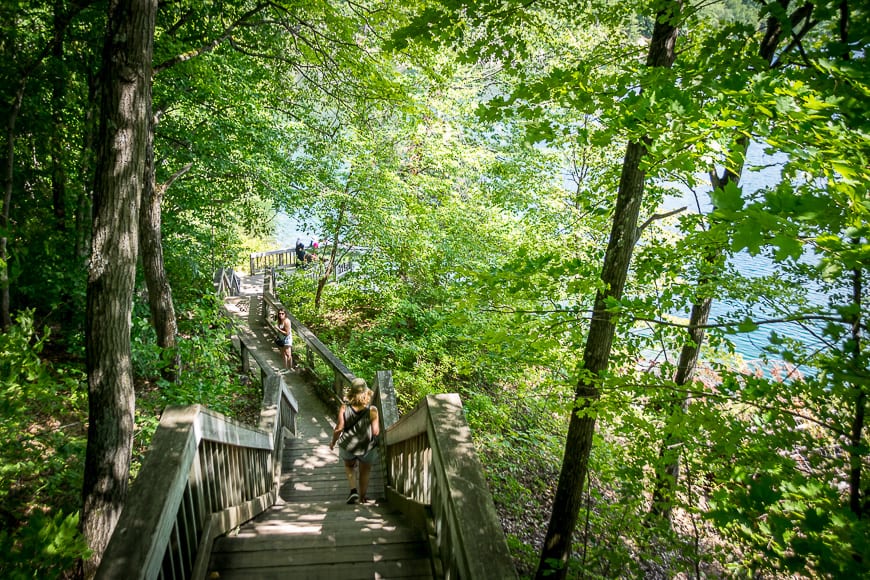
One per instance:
(122, 142)
(623, 236)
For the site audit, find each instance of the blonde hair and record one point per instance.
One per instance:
(360, 394)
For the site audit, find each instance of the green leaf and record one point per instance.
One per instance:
(728, 198)
(747, 325)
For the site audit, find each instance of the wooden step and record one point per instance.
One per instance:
(323, 540)
(311, 472)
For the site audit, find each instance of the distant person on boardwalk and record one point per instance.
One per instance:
(285, 333)
(300, 254)
(356, 434)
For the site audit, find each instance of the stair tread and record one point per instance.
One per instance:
(313, 533)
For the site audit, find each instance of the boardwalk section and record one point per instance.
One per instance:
(323, 539)
(311, 532)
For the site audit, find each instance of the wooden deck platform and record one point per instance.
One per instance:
(325, 539)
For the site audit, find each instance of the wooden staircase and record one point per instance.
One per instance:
(313, 533)
(206, 502)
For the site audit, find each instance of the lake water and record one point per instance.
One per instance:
(762, 171)
(287, 231)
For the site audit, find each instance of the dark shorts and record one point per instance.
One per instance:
(369, 457)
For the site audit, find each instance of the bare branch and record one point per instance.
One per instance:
(175, 176)
(658, 216)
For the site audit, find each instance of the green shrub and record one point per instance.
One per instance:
(43, 443)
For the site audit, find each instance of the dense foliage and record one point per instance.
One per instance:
(472, 150)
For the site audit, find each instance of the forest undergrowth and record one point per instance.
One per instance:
(518, 421)
(43, 400)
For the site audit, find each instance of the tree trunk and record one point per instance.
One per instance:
(84, 199)
(623, 236)
(60, 23)
(856, 438)
(330, 264)
(58, 96)
(667, 469)
(8, 172)
(857, 450)
(159, 292)
(120, 174)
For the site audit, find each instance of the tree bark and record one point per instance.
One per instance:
(120, 176)
(330, 264)
(856, 436)
(623, 236)
(8, 172)
(668, 467)
(84, 197)
(151, 240)
(58, 95)
(857, 451)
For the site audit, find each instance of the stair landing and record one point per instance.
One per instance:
(322, 540)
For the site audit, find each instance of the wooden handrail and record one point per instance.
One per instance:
(434, 473)
(227, 283)
(342, 376)
(259, 261)
(203, 475)
(206, 474)
(286, 258)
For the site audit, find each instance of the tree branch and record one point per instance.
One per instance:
(175, 176)
(658, 216)
(211, 45)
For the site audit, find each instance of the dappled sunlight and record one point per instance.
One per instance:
(317, 457)
(316, 431)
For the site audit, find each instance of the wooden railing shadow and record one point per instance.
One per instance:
(204, 475)
(431, 470)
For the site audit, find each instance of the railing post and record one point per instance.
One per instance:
(389, 414)
(389, 409)
(246, 363)
(338, 386)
